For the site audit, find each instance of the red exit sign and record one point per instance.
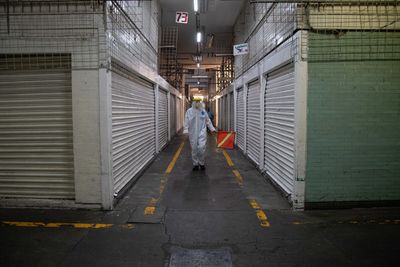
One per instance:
(182, 17)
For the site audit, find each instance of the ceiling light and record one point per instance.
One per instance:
(199, 76)
(198, 65)
(198, 82)
(198, 37)
(196, 5)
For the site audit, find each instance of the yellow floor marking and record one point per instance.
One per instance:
(239, 177)
(174, 159)
(228, 159)
(254, 204)
(58, 225)
(262, 217)
(149, 210)
(151, 207)
(224, 140)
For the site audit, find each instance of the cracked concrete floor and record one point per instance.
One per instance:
(203, 212)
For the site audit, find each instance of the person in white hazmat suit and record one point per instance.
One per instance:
(196, 120)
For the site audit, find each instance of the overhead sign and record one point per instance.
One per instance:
(182, 17)
(240, 49)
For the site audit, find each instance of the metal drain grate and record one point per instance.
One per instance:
(182, 257)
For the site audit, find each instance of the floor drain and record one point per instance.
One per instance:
(182, 257)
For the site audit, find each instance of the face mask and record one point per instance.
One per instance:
(197, 105)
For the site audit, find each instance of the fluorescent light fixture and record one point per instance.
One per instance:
(198, 65)
(199, 76)
(198, 37)
(196, 5)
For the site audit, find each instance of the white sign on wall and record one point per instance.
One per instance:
(182, 17)
(240, 49)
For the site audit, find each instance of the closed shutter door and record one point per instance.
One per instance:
(220, 114)
(232, 112)
(226, 113)
(240, 118)
(253, 121)
(163, 118)
(279, 127)
(173, 115)
(133, 126)
(36, 148)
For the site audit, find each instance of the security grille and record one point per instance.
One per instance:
(279, 127)
(253, 121)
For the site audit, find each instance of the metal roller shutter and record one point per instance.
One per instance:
(226, 113)
(279, 127)
(173, 115)
(253, 121)
(240, 118)
(163, 118)
(133, 126)
(220, 114)
(231, 112)
(36, 148)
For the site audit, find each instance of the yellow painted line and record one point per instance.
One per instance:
(254, 204)
(149, 210)
(239, 177)
(224, 140)
(151, 207)
(228, 159)
(174, 159)
(261, 215)
(58, 225)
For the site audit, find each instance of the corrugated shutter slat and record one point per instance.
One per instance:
(163, 118)
(36, 145)
(279, 127)
(133, 127)
(240, 118)
(253, 121)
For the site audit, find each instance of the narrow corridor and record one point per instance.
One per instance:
(227, 215)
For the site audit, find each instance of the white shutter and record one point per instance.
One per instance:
(162, 118)
(279, 127)
(220, 114)
(133, 126)
(253, 121)
(231, 112)
(36, 148)
(173, 115)
(240, 119)
(226, 113)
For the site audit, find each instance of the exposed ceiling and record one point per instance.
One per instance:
(217, 18)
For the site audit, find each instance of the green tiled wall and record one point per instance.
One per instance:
(353, 133)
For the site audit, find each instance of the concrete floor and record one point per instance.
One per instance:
(204, 218)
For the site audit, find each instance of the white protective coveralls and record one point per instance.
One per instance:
(196, 119)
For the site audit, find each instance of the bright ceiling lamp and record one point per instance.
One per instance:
(198, 65)
(198, 37)
(196, 5)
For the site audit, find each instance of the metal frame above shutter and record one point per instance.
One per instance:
(133, 126)
(253, 121)
(279, 130)
(240, 118)
(36, 140)
(162, 117)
